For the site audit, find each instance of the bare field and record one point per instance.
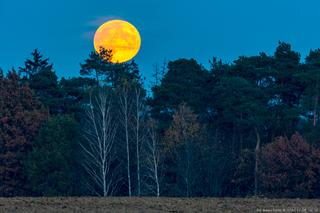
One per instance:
(124, 204)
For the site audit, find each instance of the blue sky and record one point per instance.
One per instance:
(170, 29)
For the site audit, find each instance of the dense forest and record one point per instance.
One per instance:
(236, 129)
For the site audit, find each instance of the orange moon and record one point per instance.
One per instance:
(119, 36)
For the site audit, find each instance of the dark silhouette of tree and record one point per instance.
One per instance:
(75, 93)
(41, 78)
(185, 81)
(311, 78)
(98, 65)
(35, 65)
(54, 164)
(226, 140)
(287, 91)
(243, 180)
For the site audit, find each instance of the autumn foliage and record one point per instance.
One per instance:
(185, 128)
(21, 116)
(289, 168)
(220, 131)
(182, 143)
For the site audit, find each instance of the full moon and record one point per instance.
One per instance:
(119, 36)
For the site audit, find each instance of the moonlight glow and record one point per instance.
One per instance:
(119, 36)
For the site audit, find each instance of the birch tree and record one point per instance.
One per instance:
(137, 128)
(125, 112)
(99, 133)
(152, 159)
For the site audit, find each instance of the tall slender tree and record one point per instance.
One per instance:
(311, 78)
(125, 102)
(99, 133)
(139, 113)
(152, 155)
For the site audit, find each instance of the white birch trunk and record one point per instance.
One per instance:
(125, 112)
(153, 159)
(138, 112)
(99, 133)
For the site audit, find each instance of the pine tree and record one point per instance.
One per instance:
(35, 65)
(41, 78)
(98, 66)
(185, 81)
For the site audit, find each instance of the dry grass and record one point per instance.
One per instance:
(124, 204)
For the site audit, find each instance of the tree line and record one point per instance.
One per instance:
(236, 129)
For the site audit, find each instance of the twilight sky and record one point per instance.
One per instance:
(63, 29)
